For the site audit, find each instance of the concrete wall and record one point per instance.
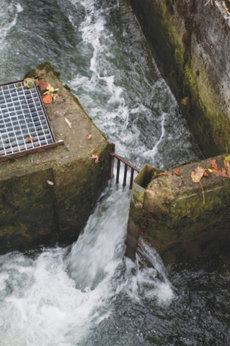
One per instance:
(192, 46)
(33, 212)
(179, 220)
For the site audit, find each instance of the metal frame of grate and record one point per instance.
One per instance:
(24, 126)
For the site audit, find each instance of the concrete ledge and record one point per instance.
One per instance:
(35, 213)
(170, 213)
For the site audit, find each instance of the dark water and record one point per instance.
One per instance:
(90, 294)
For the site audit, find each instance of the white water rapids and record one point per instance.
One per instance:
(89, 294)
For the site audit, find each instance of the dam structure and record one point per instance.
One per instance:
(88, 293)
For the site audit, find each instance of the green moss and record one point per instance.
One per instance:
(186, 75)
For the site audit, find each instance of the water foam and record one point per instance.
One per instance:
(128, 101)
(8, 18)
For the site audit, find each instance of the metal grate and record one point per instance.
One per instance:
(23, 122)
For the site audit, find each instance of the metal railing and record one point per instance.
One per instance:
(127, 166)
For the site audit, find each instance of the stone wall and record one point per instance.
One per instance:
(192, 45)
(47, 197)
(180, 218)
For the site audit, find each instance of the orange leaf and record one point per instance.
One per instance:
(177, 171)
(95, 157)
(43, 84)
(197, 174)
(214, 164)
(89, 137)
(163, 173)
(30, 139)
(47, 99)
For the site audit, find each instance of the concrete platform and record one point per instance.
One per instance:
(180, 218)
(47, 197)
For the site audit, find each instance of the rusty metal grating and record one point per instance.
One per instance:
(23, 122)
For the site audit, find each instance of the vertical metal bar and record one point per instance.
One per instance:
(131, 179)
(111, 163)
(125, 175)
(118, 171)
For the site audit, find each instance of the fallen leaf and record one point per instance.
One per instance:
(196, 178)
(206, 174)
(214, 164)
(197, 174)
(43, 84)
(95, 157)
(36, 79)
(227, 167)
(47, 99)
(30, 139)
(68, 123)
(28, 83)
(51, 89)
(177, 171)
(17, 86)
(49, 182)
(163, 173)
(89, 137)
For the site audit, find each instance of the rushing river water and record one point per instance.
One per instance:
(89, 294)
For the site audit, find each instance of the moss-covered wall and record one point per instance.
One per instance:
(192, 44)
(47, 197)
(172, 214)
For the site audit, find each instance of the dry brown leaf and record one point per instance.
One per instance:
(197, 174)
(47, 99)
(214, 164)
(30, 139)
(68, 123)
(36, 79)
(177, 171)
(43, 84)
(163, 173)
(89, 137)
(95, 157)
(196, 178)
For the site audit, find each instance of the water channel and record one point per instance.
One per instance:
(89, 294)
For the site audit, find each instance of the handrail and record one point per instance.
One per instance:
(120, 160)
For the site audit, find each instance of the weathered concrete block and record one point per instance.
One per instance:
(35, 213)
(177, 218)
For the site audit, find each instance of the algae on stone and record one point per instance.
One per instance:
(191, 43)
(172, 217)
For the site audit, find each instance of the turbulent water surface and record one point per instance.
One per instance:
(89, 293)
